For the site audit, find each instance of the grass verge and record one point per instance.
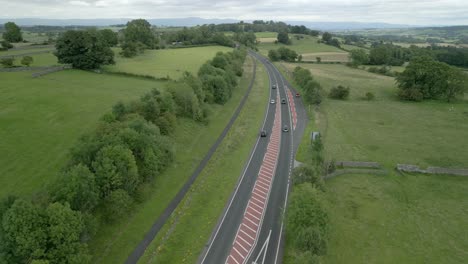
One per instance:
(184, 236)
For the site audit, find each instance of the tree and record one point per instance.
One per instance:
(274, 55)
(425, 78)
(139, 31)
(283, 37)
(76, 187)
(287, 54)
(109, 37)
(6, 45)
(339, 92)
(115, 168)
(131, 49)
(83, 50)
(359, 57)
(117, 204)
(319, 59)
(12, 32)
(27, 61)
(326, 37)
(24, 234)
(7, 62)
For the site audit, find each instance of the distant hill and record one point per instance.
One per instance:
(192, 21)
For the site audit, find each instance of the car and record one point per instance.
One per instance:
(273, 86)
(298, 95)
(283, 101)
(263, 133)
(272, 101)
(285, 128)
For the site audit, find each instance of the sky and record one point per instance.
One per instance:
(411, 12)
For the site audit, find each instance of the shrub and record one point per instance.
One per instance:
(319, 59)
(27, 61)
(117, 205)
(370, 96)
(339, 92)
(7, 62)
(6, 45)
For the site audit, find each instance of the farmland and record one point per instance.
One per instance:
(42, 118)
(403, 218)
(307, 45)
(163, 63)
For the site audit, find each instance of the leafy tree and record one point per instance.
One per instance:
(326, 37)
(83, 50)
(334, 42)
(6, 45)
(425, 78)
(287, 54)
(115, 168)
(359, 57)
(319, 59)
(27, 60)
(339, 92)
(274, 55)
(24, 234)
(76, 187)
(7, 62)
(283, 37)
(131, 49)
(117, 204)
(139, 31)
(12, 32)
(220, 89)
(109, 37)
(64, 229)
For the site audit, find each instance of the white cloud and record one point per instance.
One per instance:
(415, 12)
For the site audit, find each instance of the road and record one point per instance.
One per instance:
(251, 227)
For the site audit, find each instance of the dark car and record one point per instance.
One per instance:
(283, 101)
(263, 133)
(273, 86)
(298, 95)
(286, 129)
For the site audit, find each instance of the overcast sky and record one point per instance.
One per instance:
(414, 12)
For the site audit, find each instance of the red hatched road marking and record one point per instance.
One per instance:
(255, 210)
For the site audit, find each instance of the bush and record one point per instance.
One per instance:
(339, 92)
(319, 59)
(6, 45)
(7, 62)
(117, 205)
(27, 61)
(370, 96)
(411, 94)
(274, 55)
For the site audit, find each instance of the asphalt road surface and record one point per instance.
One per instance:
(250, 230)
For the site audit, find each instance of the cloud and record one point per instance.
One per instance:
(417, 12)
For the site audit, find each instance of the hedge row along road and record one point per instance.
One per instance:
(244, 235)
(162, 219)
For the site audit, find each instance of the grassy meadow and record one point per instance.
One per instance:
(396, 218)
(114, 242)
(167, 62)
(307, 45)
(41, 118)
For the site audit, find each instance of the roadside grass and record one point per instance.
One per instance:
(167, 62)
(397, 219)
(388, 130)
(41, 118)
(184, 237)
(306, 45)
(115, 242)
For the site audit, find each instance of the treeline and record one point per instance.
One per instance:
(311, 89)
(284, 54)
(206, 34)
(110, 167)
(265, 26)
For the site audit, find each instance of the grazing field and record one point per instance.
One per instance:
(326, 56)
(397, 219)
(24, 51)
(266, 34)
(115, 242)
(43, 59)
(41, 119)
(163, 63)
(194, 221)
(306, 45)
(387, 130)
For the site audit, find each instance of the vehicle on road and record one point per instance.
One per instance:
(298, 95)
(283, 101)
(285, 128)
(272, 101)
(263, 133)
(273, 86)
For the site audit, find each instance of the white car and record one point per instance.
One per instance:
(272, 101)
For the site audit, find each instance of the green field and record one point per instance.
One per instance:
(42, 118)
(391, 218)
(43, 59)
(387, 130)
(115, 242)
(303, 46)
(168, 62)
(397, 219)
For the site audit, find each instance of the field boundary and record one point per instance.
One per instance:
(51, 70)
(26, 54)
(162, 219)
(431, 170)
